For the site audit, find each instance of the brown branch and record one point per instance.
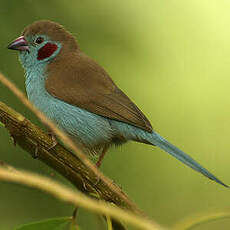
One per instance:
(68, 142)
(36, 142)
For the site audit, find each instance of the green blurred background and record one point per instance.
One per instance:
(172, 59)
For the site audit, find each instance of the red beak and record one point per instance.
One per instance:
(19, 44)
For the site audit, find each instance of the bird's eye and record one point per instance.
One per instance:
(39, 40)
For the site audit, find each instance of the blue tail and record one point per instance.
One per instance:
(159, 141)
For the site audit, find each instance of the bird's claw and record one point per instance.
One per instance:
(53, 138)
(35, 155)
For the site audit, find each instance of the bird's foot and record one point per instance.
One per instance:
(53, 138)
(35, 155)
(13, 139)
(98, 163)
(74, 219)
(101, 157)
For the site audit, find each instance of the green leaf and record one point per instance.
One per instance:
(1, 124)
(51, 224)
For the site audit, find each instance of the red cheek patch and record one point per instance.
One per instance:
(46, 51)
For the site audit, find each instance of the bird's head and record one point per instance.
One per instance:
(42, 42)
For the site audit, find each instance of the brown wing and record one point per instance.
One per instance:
(78, 80)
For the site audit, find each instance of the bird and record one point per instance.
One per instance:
(76, 93)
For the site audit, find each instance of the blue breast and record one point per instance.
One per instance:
(83, 126)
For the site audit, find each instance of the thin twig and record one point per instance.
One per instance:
(193, 222)
(76, 198)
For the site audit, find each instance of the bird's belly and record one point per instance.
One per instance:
(90, 130)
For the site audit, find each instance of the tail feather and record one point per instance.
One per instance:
(159, 141)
